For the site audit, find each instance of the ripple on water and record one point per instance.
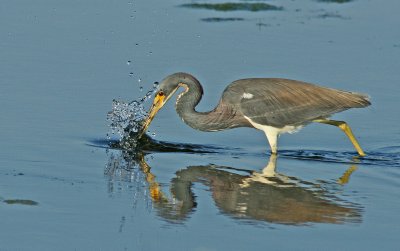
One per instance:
(388, 156)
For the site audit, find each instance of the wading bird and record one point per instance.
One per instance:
(272, 105)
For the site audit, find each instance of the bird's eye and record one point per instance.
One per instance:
(160, 93)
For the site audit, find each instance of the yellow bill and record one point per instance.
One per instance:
(158, 102)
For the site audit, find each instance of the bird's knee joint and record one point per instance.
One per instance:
(343, 126)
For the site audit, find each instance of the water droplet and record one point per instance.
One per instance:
(150, 52)
(153, 134)
(126, 119)
(139, 80)
(128, 62)
(130, 74)
(141, 88)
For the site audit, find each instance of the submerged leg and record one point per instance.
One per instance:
(269, 170)
(346, 176)
(346, 129)
(263, 176)
(272, 137)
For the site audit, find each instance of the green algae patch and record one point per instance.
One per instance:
(221, 19)
(232, 6)
(335, 1)
(21, 202)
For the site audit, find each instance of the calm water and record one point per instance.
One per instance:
(62, 187)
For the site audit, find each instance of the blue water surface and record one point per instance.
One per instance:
(62, 187)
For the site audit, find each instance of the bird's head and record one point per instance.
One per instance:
(165, 91)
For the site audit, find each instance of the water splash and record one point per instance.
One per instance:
(126, 119)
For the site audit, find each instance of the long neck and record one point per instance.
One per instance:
(186, 103)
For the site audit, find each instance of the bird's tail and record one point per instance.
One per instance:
(361, 99)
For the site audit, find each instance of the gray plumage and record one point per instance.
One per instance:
(273, 105)
(282, 102)
(275, 102)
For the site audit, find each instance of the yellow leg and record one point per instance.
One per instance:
(346, 129)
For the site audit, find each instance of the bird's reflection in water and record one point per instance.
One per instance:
(251, 196)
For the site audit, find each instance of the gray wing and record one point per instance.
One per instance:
(280, 102)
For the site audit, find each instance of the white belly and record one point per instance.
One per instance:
(273, 133)
(275, 130)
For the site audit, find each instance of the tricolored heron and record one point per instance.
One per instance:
(273, 105)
